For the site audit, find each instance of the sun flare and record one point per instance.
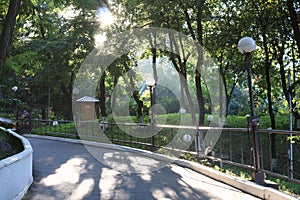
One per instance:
(105, 16)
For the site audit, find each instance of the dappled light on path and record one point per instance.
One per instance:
(68, 171)
(126, 162)
(164, 193)
(84, 188)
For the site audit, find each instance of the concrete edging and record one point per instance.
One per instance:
(244, 185)
(16, 171)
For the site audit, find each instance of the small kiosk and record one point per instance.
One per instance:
(88, 107)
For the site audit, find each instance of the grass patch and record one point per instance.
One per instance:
(282, 122)
(284, 186)
(287, 187)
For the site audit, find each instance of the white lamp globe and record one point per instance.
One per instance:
(15, 88)
(187, 138)
(246, 45)
(75, 91)
(150, 81)
(182, 111)
(210, 118)
(55, 123)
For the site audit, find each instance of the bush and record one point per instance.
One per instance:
(15, 143)
(6, 123)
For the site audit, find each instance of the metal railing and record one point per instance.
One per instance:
(234, 146)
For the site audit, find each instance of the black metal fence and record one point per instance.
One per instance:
(234, 146)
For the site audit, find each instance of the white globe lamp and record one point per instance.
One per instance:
(187, 138)
(246, 45)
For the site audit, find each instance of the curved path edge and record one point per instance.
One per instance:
(16, 171)
(243, 185)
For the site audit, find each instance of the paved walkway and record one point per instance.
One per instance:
(68, 171)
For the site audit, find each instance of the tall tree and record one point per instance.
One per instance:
(294, 20)
(199, 38)
(7, 30)
(265, 20)
(49, 47)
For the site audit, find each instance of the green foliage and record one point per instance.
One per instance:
(290, 188)
(236, 171)
(238, 104)
(19, 61)
(34, 2)
(15, 143)
(282, 122)
(49, 47)
(190, 157)
(62, 128)
(293, 139)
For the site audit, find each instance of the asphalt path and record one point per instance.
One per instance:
(65, 170)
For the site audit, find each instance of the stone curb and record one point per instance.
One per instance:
(16, 171)
(244, 185)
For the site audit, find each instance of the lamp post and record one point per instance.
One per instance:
(150, 81)
(291, 156)
(75, 94)
(15, 89)
(247, 45)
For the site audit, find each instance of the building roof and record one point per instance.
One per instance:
(87, 99)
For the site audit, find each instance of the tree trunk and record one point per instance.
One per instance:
(200, 62)
(140, 105)
(200, 98)
(294, 22)
(268, 81)
(154, 55)
(180, 67)
(183, 82)
(294, 105)
(7, 30)
(285, 87)
(102, 96)
(114, 94)
(269, 92)
(223, 83)
(136, 97)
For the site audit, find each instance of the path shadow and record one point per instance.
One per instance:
(68, 171)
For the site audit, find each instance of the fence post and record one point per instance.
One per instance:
(242, 148)
(230, 146)
(112, 132)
